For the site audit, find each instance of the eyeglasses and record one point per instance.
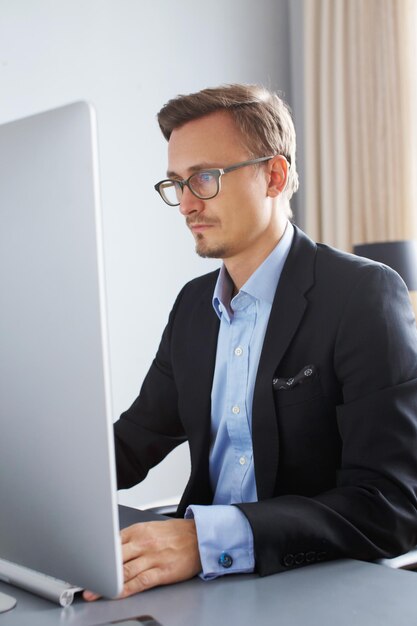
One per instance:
(205, 184)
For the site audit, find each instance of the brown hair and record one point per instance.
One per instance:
(261, 115)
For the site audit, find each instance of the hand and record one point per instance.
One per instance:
(157, 553)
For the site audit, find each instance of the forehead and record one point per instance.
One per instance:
(213, 140)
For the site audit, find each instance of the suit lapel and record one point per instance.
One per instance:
(286, 314)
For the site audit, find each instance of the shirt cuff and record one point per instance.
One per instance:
(225, 540)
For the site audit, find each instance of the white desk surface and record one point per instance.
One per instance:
(339, 593)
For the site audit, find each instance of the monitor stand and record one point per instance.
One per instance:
(6, 602)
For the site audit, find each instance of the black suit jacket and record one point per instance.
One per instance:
(335, 451)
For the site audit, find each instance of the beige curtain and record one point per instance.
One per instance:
(361, 130)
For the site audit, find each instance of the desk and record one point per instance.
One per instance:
(342, 593)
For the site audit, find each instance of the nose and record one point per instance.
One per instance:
(190, 203)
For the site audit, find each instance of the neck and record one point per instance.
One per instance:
(241, 267)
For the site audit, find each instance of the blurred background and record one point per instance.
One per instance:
(345, 67)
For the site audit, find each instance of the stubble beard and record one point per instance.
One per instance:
(206, 252)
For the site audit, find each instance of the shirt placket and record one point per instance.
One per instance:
(238, 374)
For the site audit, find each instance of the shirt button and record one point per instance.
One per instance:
(242, 460)
(235, 409)
(239, 351)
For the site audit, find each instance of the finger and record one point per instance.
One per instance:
(145, 580)
(127, 533)
(140, 539)
(89, 596)
(132, 550)
(135, 567)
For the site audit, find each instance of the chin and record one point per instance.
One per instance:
(207, 252)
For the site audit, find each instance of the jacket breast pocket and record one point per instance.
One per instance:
(303, 387)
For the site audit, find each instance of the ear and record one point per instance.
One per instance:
(278, 175)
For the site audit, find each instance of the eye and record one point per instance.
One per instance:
(204, 184)
(203, 178)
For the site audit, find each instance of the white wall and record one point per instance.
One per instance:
(128, 57)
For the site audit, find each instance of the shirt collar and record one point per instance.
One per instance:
(262, 284)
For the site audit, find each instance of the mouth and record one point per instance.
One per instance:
(199, 227)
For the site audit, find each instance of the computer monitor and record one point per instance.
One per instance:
(58, 507)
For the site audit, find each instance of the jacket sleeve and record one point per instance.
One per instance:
(372, 511)
(151, 427)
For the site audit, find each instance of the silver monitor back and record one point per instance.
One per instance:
(58, 509)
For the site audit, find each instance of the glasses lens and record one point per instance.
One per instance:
(204, 184)
(170, 191)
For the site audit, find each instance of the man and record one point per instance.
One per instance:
(292, 372)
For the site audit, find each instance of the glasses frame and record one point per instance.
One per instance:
(217, 172)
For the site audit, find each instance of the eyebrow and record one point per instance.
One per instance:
(193, 169)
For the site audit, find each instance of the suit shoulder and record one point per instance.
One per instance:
(332, 270)
(351, 267)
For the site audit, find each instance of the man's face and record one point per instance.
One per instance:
(239, 220)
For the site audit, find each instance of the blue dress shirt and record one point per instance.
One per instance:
(224, 535)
